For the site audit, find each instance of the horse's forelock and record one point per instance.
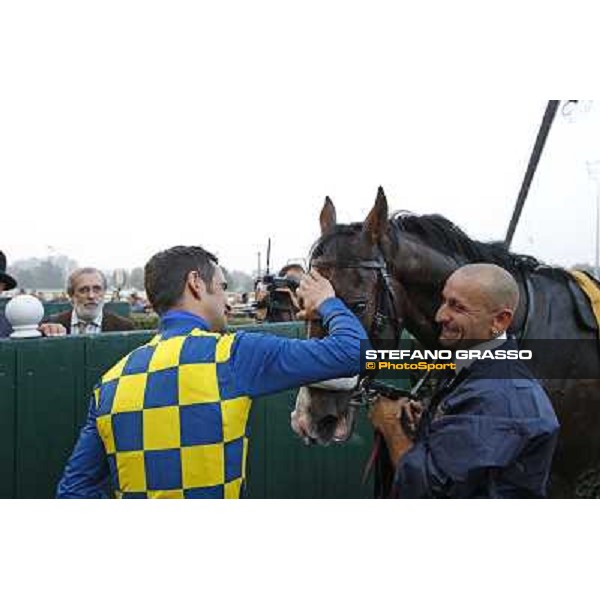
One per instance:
(337, 235)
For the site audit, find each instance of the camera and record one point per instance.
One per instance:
(273, 282)
(278, 297)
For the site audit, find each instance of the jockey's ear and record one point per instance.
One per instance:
(327, 217)
(377, 221)
(195, 285)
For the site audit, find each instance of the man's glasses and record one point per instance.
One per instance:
(86, 289)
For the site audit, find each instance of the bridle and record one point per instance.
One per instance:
(386, 318)
(386, 315)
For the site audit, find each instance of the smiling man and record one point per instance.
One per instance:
(478, 304)
(490, 432)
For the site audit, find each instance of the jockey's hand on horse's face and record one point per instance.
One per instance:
(314, 289)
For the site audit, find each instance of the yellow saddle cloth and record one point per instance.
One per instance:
(590, 289)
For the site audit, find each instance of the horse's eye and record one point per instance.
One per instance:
(358, 307)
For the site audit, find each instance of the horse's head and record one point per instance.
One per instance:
(353, 258)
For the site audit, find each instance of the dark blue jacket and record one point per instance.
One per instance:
(491, 435)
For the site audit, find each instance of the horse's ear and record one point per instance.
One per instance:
(377, 221)
(327, 217)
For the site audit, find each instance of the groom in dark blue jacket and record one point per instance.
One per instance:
(491, 431)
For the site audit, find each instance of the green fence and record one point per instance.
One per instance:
(44, 396)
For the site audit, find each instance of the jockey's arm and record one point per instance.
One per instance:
(87, 472)
(264, 364)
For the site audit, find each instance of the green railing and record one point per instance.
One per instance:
(44, 395)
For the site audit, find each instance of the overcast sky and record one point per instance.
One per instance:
(128, 131)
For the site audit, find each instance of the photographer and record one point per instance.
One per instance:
(276, 296)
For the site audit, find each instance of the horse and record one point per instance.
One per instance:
(390, 271)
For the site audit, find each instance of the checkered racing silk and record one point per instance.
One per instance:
(170, 421)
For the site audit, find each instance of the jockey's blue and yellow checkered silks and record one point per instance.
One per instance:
(170, 419)
(171, 422)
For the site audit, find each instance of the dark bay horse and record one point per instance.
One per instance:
(391, 271)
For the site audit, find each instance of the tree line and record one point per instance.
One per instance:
(51, 272)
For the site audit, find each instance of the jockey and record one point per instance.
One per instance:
(169, 420)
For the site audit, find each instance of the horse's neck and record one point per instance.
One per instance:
(420, 273)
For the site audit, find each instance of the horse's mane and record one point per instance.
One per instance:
(444, 236)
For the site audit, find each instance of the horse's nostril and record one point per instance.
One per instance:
(328, 421)
(326, 427)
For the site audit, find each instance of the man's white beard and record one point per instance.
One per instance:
(88, 314)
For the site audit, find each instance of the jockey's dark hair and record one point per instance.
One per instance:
(166, 272)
